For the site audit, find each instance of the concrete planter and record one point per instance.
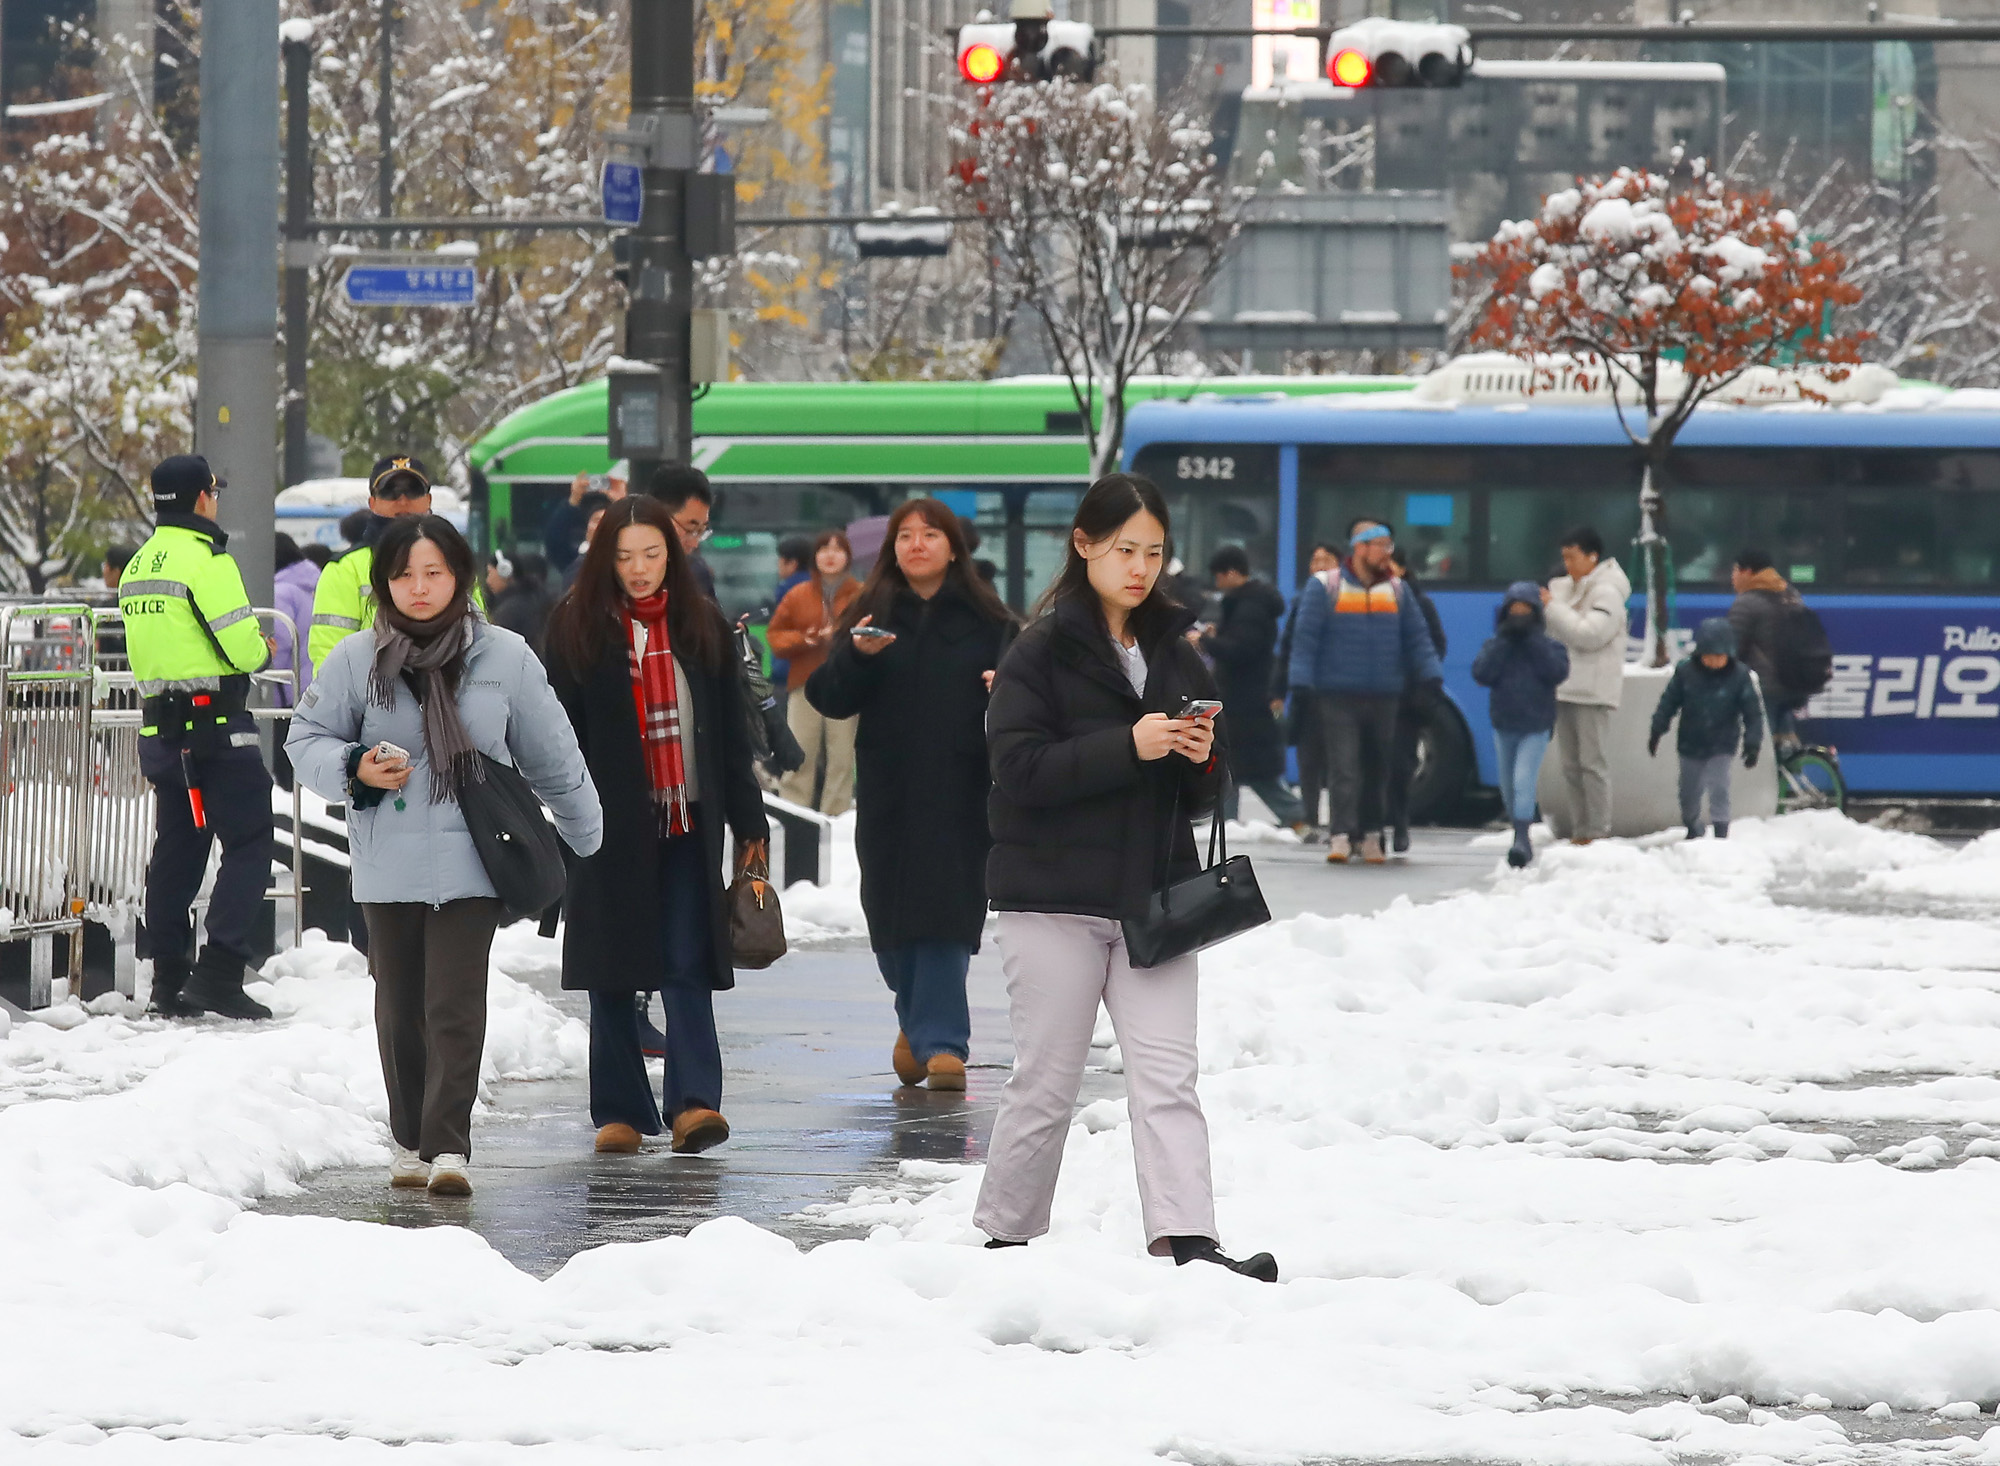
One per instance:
(1645, 791)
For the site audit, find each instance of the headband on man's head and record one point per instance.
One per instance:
(1369, 532)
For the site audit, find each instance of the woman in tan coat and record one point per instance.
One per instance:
(801, 630)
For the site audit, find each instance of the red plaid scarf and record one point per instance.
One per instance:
(654, 699)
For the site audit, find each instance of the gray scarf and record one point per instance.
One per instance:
(434, 653)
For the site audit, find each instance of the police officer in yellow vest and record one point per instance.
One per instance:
(193, 642)
(343, 603)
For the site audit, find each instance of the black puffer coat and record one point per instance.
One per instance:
(920, 765)
(1241, 646)
(611, 934)
(1080, 824)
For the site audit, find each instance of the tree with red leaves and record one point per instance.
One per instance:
(1667, 291)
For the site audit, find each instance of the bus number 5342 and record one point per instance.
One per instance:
(1205, 468)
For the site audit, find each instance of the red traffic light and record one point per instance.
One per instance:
(981, 63)
(1349, 68)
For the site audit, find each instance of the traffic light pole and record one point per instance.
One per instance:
(235, 408)
(663, 128)
(298, 249)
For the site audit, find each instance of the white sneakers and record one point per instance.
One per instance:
(408, 1171)
(1337, 850)
(448, 1176)
(1371, 849)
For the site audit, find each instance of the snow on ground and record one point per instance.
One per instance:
(829, 914)
(1420, 1112)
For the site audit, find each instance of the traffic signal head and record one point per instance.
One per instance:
(1378, 52)
(1031, 46)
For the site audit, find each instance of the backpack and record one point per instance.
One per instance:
(1803, 657)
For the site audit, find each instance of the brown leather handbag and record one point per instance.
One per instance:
(756, 925)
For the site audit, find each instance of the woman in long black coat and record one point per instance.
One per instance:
(921, 773)
(648, 912)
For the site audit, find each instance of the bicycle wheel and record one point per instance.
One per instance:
(1812, 780)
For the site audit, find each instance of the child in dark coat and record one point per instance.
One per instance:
(1719, 708)
(1523, 665)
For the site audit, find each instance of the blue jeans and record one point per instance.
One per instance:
(620, 1092)
(928, 979)
(1520, 758)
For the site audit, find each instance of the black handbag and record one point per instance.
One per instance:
(515, 841)
(1193, 914)
(771, 742)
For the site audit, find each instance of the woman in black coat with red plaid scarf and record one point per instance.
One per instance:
(640, 660)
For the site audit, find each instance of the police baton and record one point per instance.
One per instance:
(188, 776)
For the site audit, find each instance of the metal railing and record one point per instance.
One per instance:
(46, 686)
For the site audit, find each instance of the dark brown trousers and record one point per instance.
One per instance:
(430, 1015)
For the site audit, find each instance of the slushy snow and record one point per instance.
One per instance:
(1587, 1134)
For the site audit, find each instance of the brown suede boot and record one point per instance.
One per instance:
(615, 1139)
(697, 1130)
(907, 1068)
(947, 1071)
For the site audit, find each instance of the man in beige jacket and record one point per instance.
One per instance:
(1585, 611)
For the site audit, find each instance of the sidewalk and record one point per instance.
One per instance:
(813, 1105)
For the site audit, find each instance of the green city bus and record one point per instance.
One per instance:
(798, 457)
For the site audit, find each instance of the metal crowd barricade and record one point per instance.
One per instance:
(46, 684)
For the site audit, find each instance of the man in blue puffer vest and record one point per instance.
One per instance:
(1361, 641)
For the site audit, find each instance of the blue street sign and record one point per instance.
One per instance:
(624, 193)
(411, 285)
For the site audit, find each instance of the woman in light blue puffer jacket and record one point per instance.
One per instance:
(435, 680)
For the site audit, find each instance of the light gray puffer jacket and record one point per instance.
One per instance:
(423, 852)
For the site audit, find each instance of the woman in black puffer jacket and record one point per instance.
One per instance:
(1094, 782)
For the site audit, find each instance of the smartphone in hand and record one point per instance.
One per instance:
(1199, 707)
(388, 756)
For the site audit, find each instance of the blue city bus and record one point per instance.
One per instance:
(1888, 521)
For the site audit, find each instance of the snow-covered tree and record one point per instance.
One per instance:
(97, 268)
(1106, 216)
(1668, 290)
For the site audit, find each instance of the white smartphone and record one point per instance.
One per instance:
(389, 756)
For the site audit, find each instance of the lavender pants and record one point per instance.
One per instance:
(1058, 969)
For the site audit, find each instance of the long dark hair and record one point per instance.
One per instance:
(590, 616)
(884, 582)
(1105, 507)
(392, 552)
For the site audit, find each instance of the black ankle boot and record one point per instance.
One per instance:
(169, 977)
(1263, 1267)
(1523, 849)
(993, 1243)
(1722, 829)
(217, 986)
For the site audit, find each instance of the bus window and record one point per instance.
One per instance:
(1524, 528)
(1793, 529)
(1972, 531)
(1433, 529)
(1892, 538)
(750, 519)
(1704, 528)
(1218, 494)
(1938, 538)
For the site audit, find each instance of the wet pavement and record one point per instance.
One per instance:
(814, 1107)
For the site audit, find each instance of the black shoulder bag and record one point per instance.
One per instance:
(1191, 915)
(516, 843)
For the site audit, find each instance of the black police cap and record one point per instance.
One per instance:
(397, 464)
(180, 480)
